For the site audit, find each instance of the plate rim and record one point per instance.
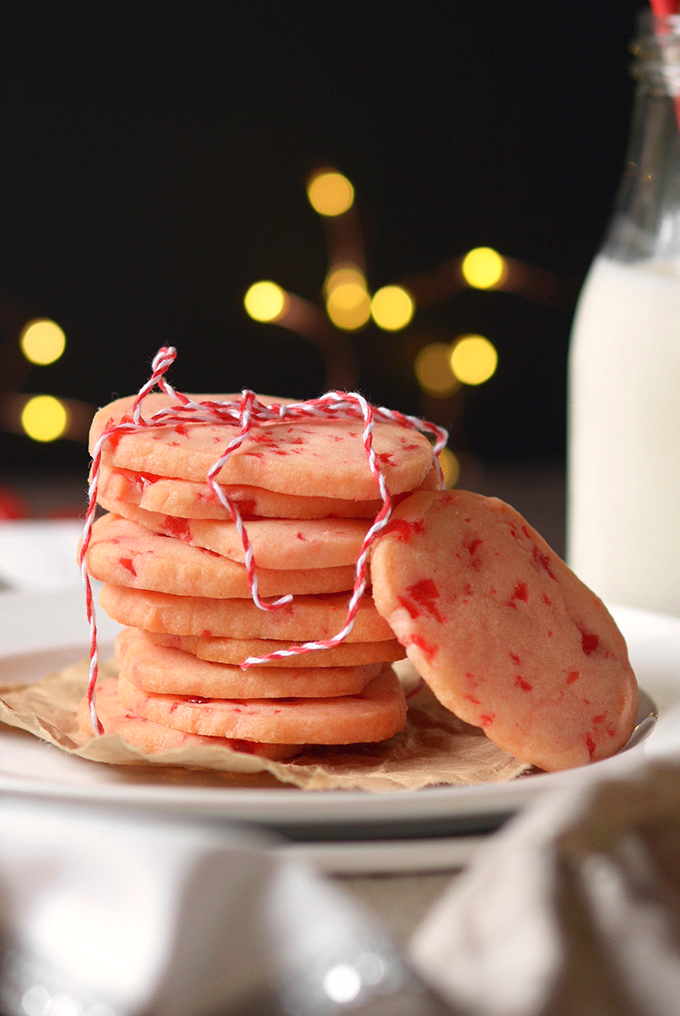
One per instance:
(327, 808)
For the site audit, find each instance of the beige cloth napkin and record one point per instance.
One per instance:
(572, 910)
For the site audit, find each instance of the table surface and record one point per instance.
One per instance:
(399, 901)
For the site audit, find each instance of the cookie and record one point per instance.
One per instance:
(235, 651)
(160, 669)
(191, 500)
(277, 543)
(154, 738)
(127, 554)
(306, 618)
(289, 457)
(375, 714)
(502, 631)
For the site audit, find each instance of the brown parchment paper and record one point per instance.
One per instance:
(434, 748)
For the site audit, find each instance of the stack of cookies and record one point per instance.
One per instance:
(172, 563)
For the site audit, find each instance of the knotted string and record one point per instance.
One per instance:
(245, 413)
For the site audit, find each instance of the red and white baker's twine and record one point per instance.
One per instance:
(246, 412)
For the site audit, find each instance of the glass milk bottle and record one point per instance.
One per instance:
(623, 516)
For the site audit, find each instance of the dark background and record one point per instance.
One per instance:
(152, 166)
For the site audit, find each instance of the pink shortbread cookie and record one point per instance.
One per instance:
(291, 457)
(127, 554)
(154, 738)
(503, 632)
(191, 500)
(235, 651)
(277, 543)
(307, 617)
(159, 669)
(377, 713)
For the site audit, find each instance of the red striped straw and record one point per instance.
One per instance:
(664, 8)
(245, 412)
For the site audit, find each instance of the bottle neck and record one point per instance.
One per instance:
(656, 54)
(646, 220)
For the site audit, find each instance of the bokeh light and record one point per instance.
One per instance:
(392, 308)
(342, 983)
(483, 268)
(473, 359)
(265, 301)
(341, 275)
(450, 467)
(329, 192)
(433, 370)
(348, 305)
(44, 418)
(42, 341)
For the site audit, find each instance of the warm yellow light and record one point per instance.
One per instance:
(42, 341)
(341, 275)
(349, 306)
(450, 467)
(483, 268)
(433, 370)
(392, 308)
(44, 418)
(330, 193)
(265, 301)
(473, 359)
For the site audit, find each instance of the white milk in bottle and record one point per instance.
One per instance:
(623, 517)
(624, 436)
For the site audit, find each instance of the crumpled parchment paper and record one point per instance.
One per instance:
(434, 748)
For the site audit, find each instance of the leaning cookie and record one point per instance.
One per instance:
(505, 635)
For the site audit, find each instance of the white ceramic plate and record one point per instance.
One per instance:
(41, 632)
